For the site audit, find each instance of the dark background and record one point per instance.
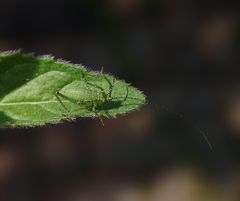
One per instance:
(183, 54)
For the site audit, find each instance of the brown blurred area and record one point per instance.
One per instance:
(183, 54)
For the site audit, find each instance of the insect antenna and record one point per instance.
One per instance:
(195, 126)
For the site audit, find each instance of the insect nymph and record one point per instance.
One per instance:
(94, 95)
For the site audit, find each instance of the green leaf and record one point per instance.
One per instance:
(39, 90)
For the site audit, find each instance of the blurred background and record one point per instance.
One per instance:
(183, 54)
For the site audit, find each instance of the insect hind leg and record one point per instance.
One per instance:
(58, 95)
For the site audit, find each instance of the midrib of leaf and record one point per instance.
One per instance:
(29, 103)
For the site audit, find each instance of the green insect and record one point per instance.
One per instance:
(93, 97)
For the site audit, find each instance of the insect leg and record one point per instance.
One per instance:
(126, 94)
(101, 72)
(111, 85)
(57, 94)
(98, 116)
(67, 98)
